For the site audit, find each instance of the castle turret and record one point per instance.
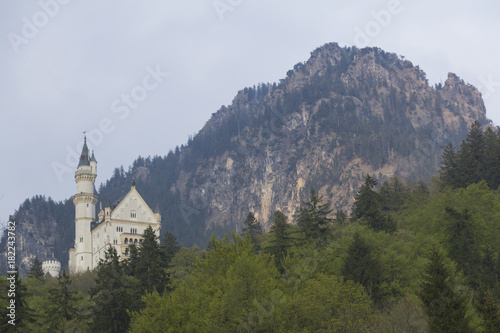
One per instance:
(85, 201)
(51, 266)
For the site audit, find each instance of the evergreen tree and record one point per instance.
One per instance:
(492, 158)
(253, 228)
(367, 206)
(170, 246)
(114, 295)
(463, 244)
(280, 240)
(489, 306)
(36, 270)
(151, 264)
(367, 200)
(445, 307)
(478, 159)
(23, 313)
(471, 156)
(393, 194)
(340, 217)
(312, 218)
(251, 225)
(64, 304)
(360, 265)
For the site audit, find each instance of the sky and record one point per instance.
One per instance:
(141, 76)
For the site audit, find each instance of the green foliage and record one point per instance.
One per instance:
(225, 293)
(367, 207)
(36, 270)
(477, 159)
(149, 264)
(280, 239)
(170, 246)
(113, 295)
(464, 244)
(312, 218)
(17, 298)
(327, 304)
(63, 304)
(445, 306)
(362, 266)
(253, 228)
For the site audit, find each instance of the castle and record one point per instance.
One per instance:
(120, 225)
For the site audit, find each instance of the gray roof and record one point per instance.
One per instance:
(92, 158)
(84, 157)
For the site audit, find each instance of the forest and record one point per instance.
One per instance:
(408, 257)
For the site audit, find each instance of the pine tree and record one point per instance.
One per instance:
(312, 218)
(64, 303)
(251, 225)
(280, 240)
(367, 206)
(151, 265)
(170, 246)
(463, 244)
(340, 217)
(36, 270)
(367, 200)
(252, 228)
(393, 194)
(114, 295)
(23, 313)
(471, 157)
(363, 267)
(491, 162)
(445, 307)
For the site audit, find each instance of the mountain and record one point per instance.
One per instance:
(343, 113)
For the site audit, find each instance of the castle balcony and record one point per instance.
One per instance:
(85, 198)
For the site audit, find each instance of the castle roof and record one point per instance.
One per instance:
(84, 157)
(92, 158)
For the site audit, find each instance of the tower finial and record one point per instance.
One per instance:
(133, 181)
(85, 136)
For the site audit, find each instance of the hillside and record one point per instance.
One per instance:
(343, 113)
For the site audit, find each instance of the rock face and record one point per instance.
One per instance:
(343, 113)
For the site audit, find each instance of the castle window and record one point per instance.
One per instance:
(133, 215)
(81, 239)
(126, 251)
(81, 258)
(126, 240)
(135, 241)
(140, 241)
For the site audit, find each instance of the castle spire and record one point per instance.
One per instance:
(84, 156)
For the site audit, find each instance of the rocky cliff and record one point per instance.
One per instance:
(343, 113)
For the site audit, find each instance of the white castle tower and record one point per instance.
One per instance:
(80, 257)
(51, 266)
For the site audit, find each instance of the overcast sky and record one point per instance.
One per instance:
(140, 76)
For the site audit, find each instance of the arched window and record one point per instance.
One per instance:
(126, 251)
(135, 241)
(126, 240)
